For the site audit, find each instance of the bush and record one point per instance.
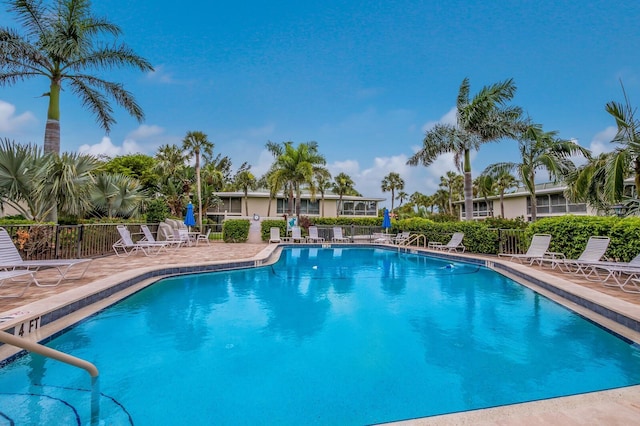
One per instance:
(235, 230)
(157, 211)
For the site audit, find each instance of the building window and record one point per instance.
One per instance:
(229, 205)
(307, 207)
(358, 208)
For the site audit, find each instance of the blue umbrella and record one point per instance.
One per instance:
(189, 219)
(386, 220)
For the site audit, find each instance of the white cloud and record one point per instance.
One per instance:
(145, 131)
(9, 122)
(106, 147)
(160, 75)
(601, 142)
(449, 118)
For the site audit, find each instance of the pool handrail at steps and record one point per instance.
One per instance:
(48, 352)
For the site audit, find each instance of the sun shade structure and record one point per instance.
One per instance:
(10, 260)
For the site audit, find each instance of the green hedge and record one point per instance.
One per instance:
(343, 221)
(235, 230)
(569, 234)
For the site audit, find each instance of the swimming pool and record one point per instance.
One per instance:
(324, 336)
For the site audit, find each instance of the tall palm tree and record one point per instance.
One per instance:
(485, 184)
(170, 158)
(322, 184)
(64, 43)
(245, 181)
(391, 183)
(540, 150)
(342, 185)
(484, 118)
(197, 144)
(296, 166)
(451, 183)
(503, 182)
(401, 197)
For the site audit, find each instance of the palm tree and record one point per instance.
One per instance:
(503, 182)
(485, 185)
(451, 183)
(295, 166)
(245, 180)
(390, 183)
(342, 185)
(540, 150)
(196, 144)
(170, 159)
(402, 196)
(484, 118)
(62, 42)
(116, 195)
(322, 184)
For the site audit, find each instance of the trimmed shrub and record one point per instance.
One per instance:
(235, 230)
(157, 211)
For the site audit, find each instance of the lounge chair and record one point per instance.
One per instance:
(401, 237)
(296, 234)
(10, 260)
(338, 237)
(623, 274)
(148, 236)
(204, 237)
(593, 252)
(182, 234)
(536, 252)
(274, 236)
(313, 235)
(10, 276)
(454, 244)
(126, 247)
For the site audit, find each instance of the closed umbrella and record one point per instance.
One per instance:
(189, 219)
(386, 220)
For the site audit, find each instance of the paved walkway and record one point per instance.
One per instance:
(616, 407)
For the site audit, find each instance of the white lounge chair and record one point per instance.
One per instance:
(401, 237)
(182, 234)
(10, 276)
(296, 234)
(274, 236)
(454, 244)
(536, 252)
(204, 237)
(148, 236)
(338, 237)
(126, 247)
(624, 275)
(313, 235)
(10, 260)
(593, 252)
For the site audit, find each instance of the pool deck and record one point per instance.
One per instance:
(618, 406)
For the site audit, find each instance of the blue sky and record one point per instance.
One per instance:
(362, 78)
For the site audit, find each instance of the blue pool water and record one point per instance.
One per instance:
(324, 336)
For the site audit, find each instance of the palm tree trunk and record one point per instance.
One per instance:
(198, 183)
(52, 128)
(468, 186)
(502, 203)
(269, 208)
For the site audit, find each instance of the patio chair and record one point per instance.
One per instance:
(274, 236)
(338, 237)
(401, 237)
(10, 276)
(593, 252)
(623, 274)
(204, 237)
(454, 244)
(148, 236)
(535, 253)
(313, 235)
(10, 260)
(296, 234)
(126, 247)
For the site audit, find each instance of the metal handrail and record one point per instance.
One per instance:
(48, 352)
